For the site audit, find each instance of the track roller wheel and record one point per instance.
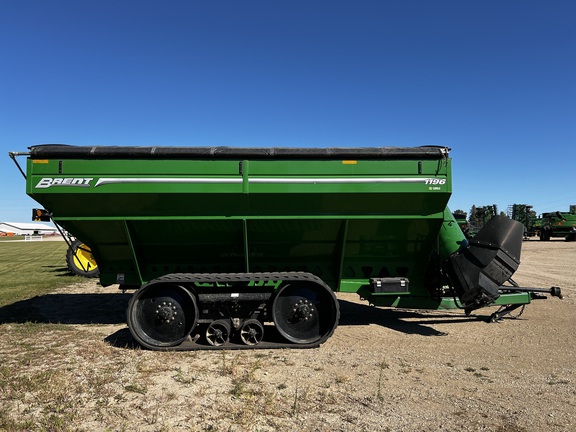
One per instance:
(305, 312)
(218, 332)
(80, 260)
(162, 315)
(252, 332)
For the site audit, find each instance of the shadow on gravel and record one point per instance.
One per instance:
(395, 319)
(68, 309)
(110, 308)
(122, 339)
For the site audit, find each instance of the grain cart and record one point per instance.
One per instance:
(245, 247)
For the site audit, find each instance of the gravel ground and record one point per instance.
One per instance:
(383, 369)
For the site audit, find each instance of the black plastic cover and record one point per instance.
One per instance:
(63, 151)
(492, 257)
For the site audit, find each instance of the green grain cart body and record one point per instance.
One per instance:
(345, 219)
(235, 236)
(558, 224)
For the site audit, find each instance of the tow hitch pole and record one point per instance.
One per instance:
(553, 291)
(535, 293)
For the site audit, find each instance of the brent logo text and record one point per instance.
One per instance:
(47, 182)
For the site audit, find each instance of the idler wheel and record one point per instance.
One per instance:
(305, 312)
(162, 315)
(252, 332)
(218, 332)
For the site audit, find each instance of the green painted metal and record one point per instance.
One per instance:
(451, 237)
(558, 224)
(345, 220)
(441, 303)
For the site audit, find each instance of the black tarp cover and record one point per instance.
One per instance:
(62, 151)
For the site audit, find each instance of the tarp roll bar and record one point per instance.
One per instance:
(62, 151)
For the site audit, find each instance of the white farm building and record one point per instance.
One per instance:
(22, 228)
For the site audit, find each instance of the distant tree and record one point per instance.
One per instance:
(471, 216)
(480, 215)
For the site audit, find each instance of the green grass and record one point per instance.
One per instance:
(10, 238)
(28, 269)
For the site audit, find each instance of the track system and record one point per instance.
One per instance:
(183, 311)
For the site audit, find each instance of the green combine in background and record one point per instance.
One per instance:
(461, 218)
(558, 224)
(548, 225)
(245, 247)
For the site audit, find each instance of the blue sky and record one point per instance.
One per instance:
(492, 80)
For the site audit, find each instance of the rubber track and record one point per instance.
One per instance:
(239, 277)
(272, 339)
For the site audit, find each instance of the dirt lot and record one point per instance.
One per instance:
(383, 370)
